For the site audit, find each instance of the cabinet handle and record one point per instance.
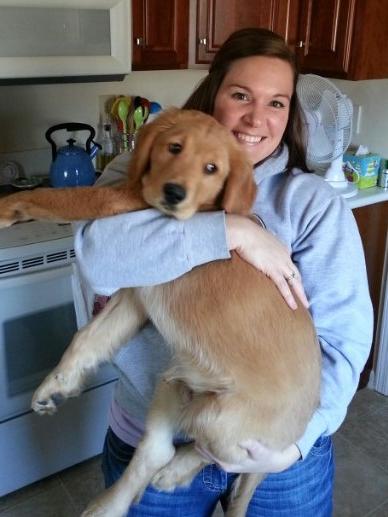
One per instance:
(300, 44)
(139, 42)
(203, 41)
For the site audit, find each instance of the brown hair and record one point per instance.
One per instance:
(246, 43)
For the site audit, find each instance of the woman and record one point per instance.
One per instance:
(250, 89)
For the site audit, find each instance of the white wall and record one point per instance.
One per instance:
(373, 97)
(27, 111)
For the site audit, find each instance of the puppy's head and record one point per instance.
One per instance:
(186, 161)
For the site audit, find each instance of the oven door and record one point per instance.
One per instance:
(37, 322)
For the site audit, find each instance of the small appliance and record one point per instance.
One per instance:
(72, 165)
(328, 114)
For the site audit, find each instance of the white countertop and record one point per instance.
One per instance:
(368, 196)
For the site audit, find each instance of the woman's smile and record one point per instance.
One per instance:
(246, 138)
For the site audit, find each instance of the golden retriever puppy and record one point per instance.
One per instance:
(243, 361)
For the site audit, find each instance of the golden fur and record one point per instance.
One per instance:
(245, 365)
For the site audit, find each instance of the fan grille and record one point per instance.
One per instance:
(328, 113)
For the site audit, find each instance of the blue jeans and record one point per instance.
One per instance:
(303, 490)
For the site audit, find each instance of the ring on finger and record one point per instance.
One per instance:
(291, 277)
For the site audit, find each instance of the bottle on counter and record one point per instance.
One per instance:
(107, 152)
(383, 174)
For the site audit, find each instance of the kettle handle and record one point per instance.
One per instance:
(70, 126)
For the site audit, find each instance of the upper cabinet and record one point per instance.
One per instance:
(343, 38)
(160, 34)
(216, 19)
(334, 38)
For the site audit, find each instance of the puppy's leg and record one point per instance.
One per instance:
(154, 451)
(181, 470)
(69, 204)
(95, 343)
(242, 491)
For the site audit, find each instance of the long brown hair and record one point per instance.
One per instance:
(246, 43)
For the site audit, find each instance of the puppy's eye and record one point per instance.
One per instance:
(210, 168)
(175, 148)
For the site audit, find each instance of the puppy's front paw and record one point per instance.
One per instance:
(4, 223)
(11, 210)
(53, 391)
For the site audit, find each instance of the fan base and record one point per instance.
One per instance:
(345, 188)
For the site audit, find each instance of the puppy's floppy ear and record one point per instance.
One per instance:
(147, 135)
(240, 188)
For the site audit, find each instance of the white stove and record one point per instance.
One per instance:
(37, 322)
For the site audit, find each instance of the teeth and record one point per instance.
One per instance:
(249, 139)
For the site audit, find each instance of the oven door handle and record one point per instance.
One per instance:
(36, 276)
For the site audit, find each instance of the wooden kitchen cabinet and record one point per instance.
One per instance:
(343, 38)
(216, 19)
(334, 38)
(160, 34)
(372, 224)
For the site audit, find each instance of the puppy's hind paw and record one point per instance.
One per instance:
(48, 406)
(168, 479)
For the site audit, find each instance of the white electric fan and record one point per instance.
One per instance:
(329, 115)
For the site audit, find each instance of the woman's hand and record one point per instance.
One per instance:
(260, 459)
(266, 253)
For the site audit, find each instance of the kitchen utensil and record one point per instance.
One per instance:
(72, 165)
(146, 108)
(137, 101)
(122, 112)
(155, 107)
(114, 105)
(138, 118)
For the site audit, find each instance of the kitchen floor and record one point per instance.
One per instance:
(361, 486)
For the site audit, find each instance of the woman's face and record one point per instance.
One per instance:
(253, 101)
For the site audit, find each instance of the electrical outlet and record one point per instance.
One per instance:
(357, 118)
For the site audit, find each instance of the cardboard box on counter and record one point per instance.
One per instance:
(362, 169)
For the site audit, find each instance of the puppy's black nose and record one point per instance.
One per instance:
(174, 193)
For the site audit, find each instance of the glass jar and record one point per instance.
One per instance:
(126, 142)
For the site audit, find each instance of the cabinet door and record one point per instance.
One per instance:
(216, 19)
(160, 34)
(325, 33)
(372, 224)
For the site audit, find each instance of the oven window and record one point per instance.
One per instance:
(37, 323)
(34, 344)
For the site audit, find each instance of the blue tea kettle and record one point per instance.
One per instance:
(72, 165)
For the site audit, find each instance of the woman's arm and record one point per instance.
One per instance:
(147, 248)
